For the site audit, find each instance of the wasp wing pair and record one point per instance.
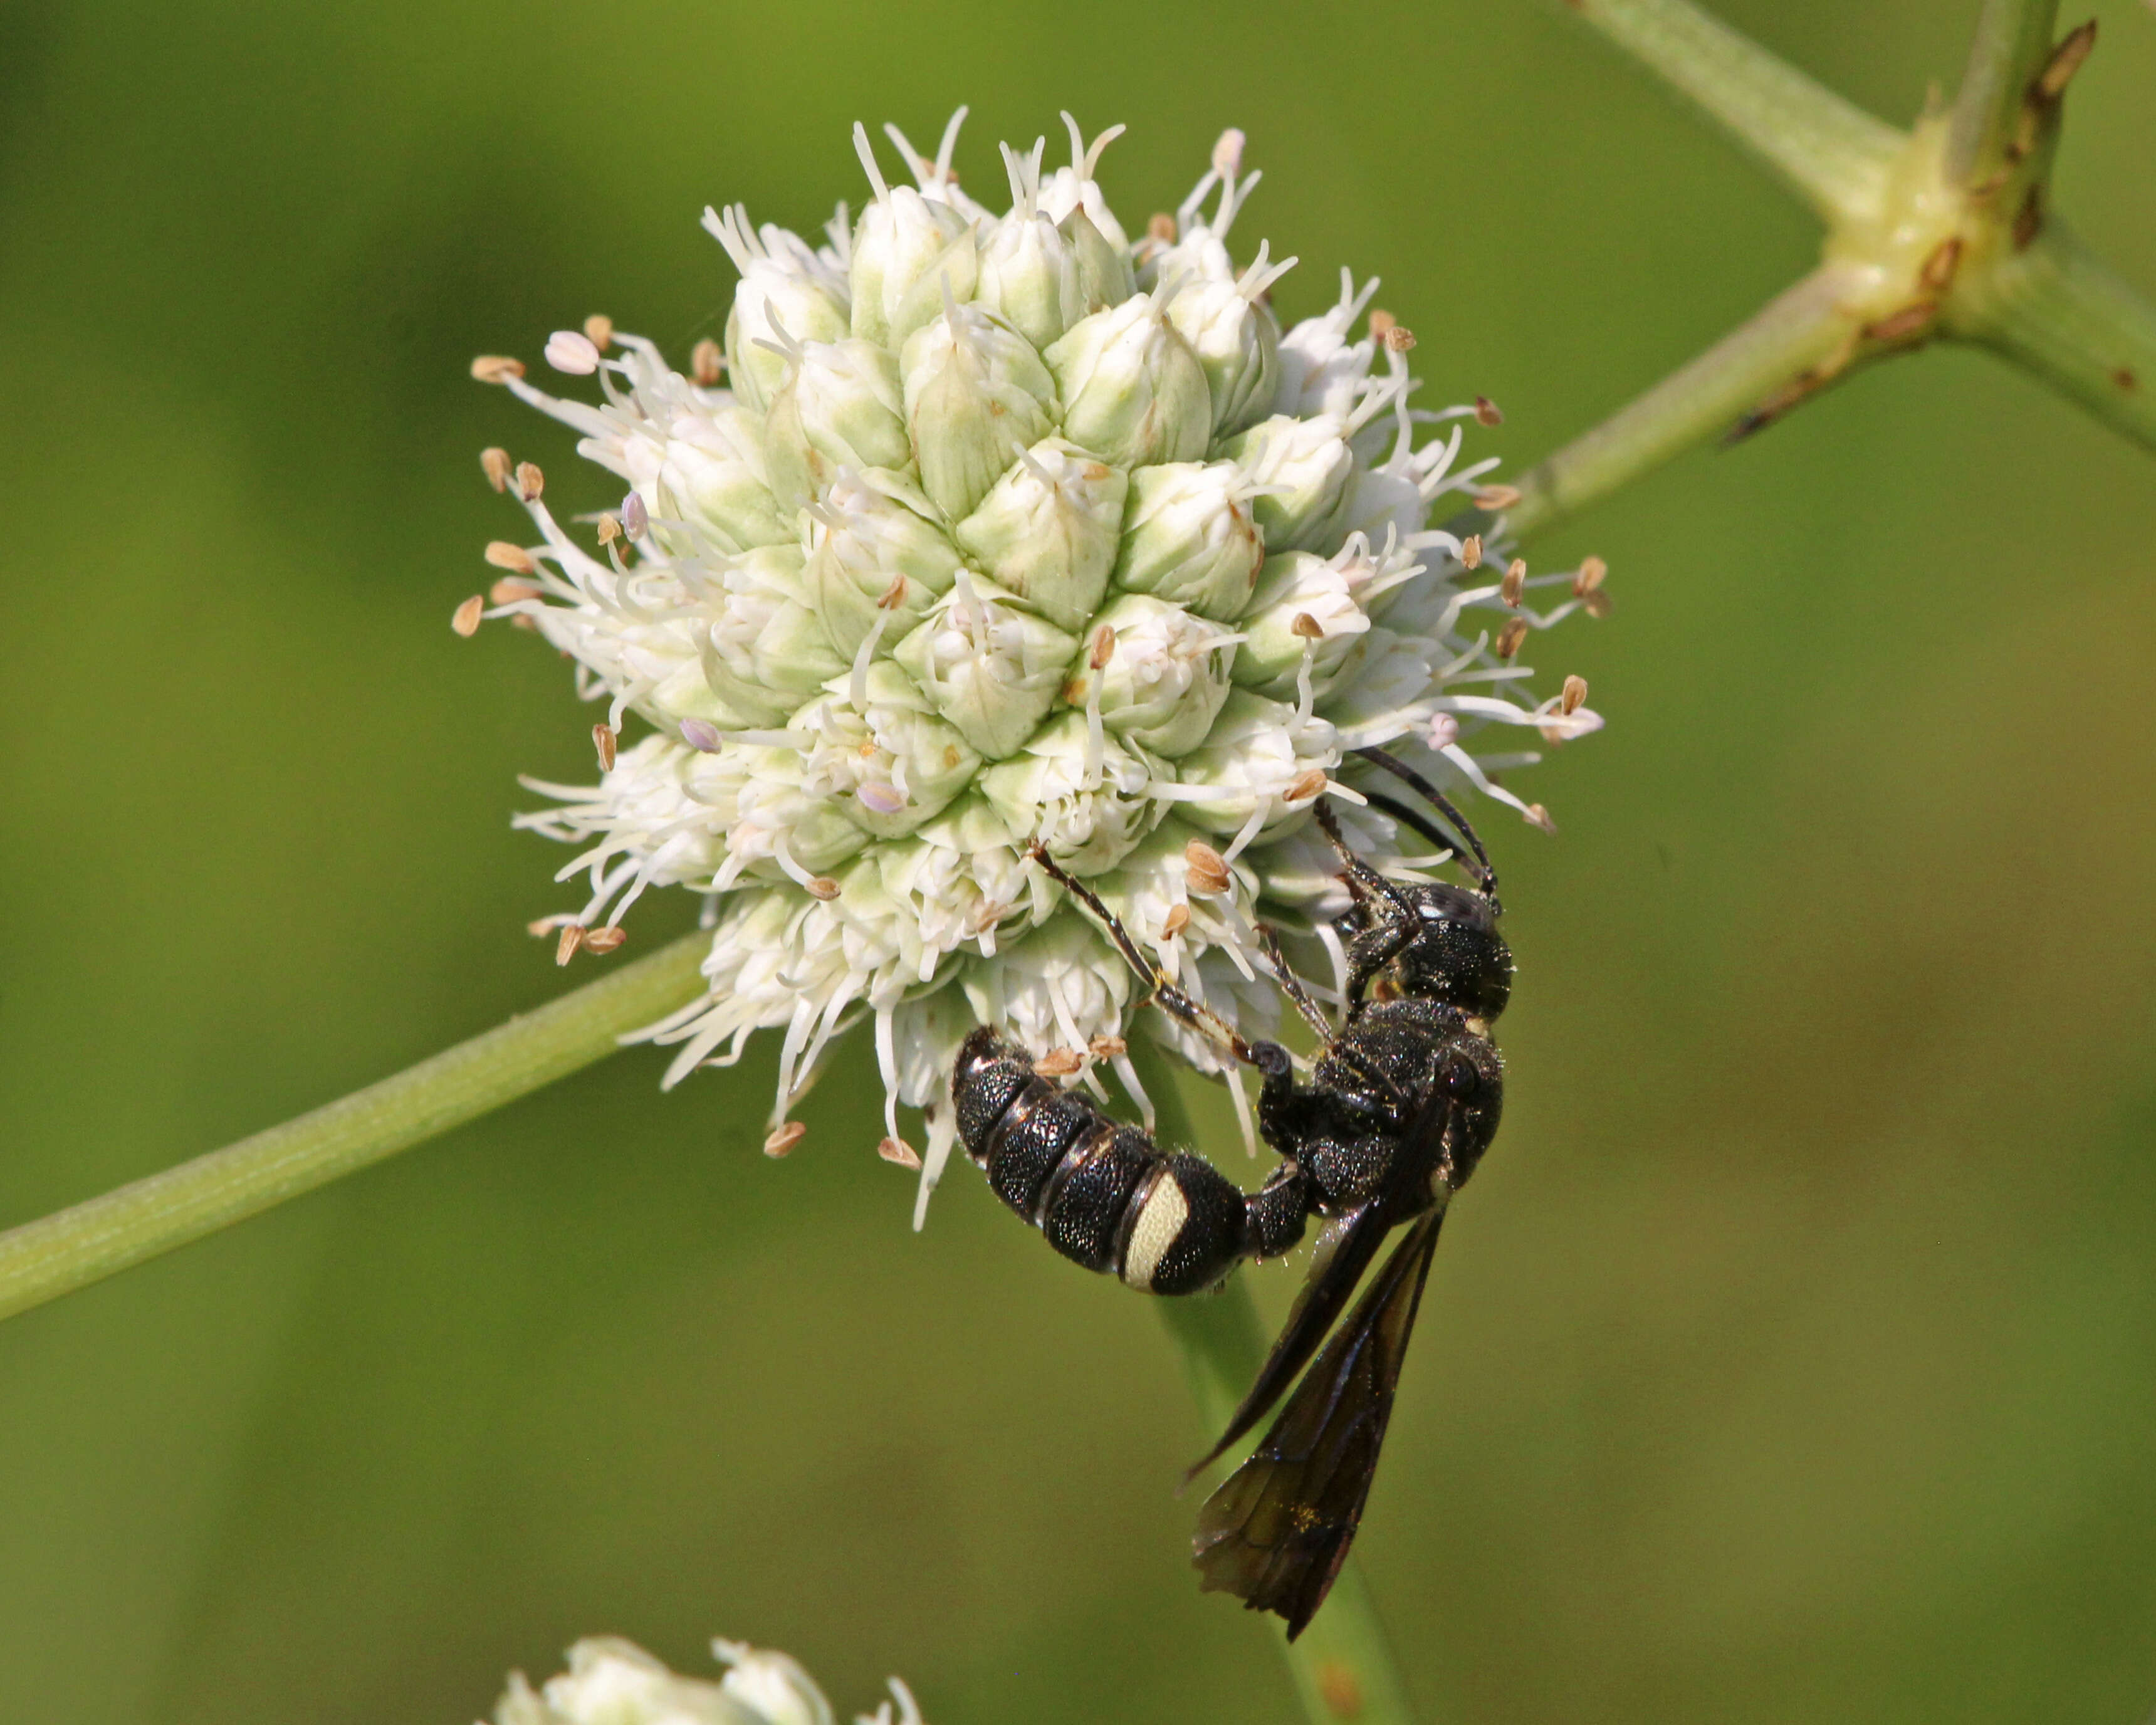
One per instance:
(1277, 1530)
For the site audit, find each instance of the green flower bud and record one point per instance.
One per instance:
(1305, 465)
(1080, 792)
(1104, 266)
(1236, 342)
(708, 474)
(973, 386)
(1188, 537)
(888, 764)
(1256, 751)
(1029, 270)
(783, 796)
(1047, 531)
(877, 547)
(908, 252)
(768, 636)
(840, 405)
(992, 669)
(1133, 393)
(1165, 675)
(1303, 607)
(787, 293)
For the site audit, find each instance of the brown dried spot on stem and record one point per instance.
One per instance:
(1938, 274)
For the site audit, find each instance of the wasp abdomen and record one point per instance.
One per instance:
(1104, 1193)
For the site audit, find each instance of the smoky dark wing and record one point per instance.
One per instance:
(1343, 1252)
(1278, 1529)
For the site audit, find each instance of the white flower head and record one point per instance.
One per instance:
(989, 530)
(611, 1682)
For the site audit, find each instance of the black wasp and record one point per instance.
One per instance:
(1404, 1099)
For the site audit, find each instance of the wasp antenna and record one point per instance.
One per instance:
(1437, 800)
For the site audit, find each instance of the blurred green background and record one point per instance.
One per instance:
(1794, 1356)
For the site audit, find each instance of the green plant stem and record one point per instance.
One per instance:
(2013, 40)
(1799, 329)
(42, 1259)
(1343, 1663)
(2057, 310)
(1828, 151)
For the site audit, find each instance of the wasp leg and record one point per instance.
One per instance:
(1269, 1057)
(1292, 985)
(1365, 882)
(1275, 1214)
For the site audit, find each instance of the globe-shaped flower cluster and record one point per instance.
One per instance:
(987, 529)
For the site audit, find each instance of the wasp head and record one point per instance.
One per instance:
(1424, 940)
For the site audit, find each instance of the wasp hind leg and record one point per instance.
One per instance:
(1270, 1060)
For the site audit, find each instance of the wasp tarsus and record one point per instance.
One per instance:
(1403, 1099)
